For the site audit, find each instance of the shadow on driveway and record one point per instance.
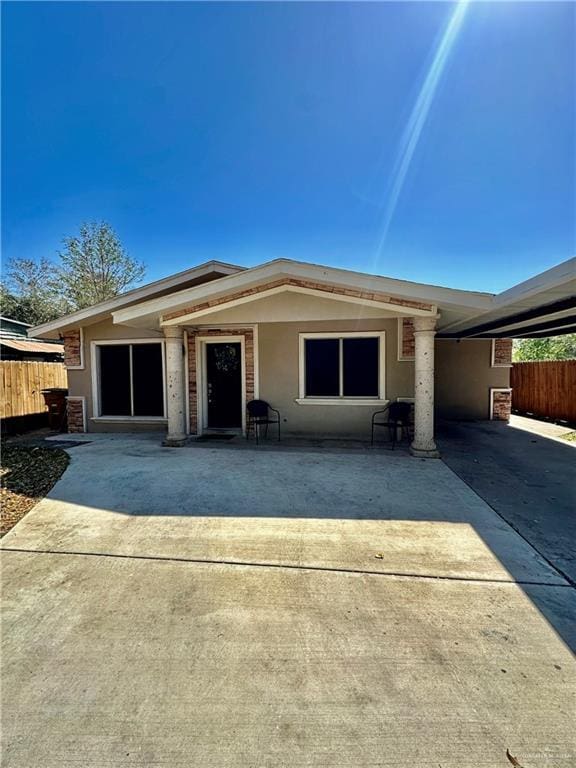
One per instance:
(528, 479)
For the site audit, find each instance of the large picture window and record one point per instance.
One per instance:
(131, 380)
(342, 366)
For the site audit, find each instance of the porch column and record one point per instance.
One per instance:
(176, 436)
(423, 444)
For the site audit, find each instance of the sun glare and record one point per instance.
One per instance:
(413, 131)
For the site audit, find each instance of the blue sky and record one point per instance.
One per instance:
(247, 132)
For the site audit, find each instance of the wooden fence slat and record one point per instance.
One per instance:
(545, 388)
(21, 385)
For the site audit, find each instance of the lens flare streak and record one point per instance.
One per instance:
(418, 117)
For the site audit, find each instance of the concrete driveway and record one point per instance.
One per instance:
(526, 474)
(212, 606)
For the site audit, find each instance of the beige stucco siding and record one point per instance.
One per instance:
(80, 381)
(279, 377)
(464, 377)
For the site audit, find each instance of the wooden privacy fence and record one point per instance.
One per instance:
(21, 385)
(546, 389)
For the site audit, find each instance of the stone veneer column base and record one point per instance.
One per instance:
(174, 442)
(420, 454)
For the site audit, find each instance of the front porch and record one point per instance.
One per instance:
(272, 361)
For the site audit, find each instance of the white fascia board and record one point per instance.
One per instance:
(557, 277)
(300, 270)
(558, 282)
(90, 314)
(432, 294)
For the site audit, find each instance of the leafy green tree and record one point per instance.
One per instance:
(551, 348)
(28, 291)
(94, 266)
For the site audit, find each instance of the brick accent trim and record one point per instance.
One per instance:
(500, 404)
(249, 369)
(406, 339)
(290, 281)
(73, 352)
(76, 414)
(501, 353)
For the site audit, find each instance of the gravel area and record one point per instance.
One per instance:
(27, 473)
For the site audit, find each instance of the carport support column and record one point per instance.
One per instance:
(176, 436)
(423, 444)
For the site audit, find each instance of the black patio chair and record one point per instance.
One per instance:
(397, 417)
(260, 413)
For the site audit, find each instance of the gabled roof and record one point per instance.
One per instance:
(543, 305)
(210, 270)
(149, 313)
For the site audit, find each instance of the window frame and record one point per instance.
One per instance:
(342, 399)
(96, 395)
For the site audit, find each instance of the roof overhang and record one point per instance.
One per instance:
(543, 306)
(283, 275)
(207, 272)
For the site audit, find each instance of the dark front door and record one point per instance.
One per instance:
(224, 382)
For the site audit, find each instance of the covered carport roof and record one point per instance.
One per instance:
(543, 306)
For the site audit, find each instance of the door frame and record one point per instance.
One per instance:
(202, 377)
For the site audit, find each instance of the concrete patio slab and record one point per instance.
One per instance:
(368, 511)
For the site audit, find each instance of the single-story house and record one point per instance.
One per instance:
(16, 345)
(327, 347)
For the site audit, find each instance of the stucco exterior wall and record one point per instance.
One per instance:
(279, 366)
(80, 381)
(464, 376)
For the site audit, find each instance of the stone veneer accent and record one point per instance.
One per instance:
(501, 352)
(407, 341)
(75, 414)
(326, 287)
(73, 348)
(501, 404)
(248, 334)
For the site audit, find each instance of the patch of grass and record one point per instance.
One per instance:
(26, 476)
(570, 436)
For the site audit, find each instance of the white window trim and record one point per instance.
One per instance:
(302, 399)
(201, 384)
(95, 366)
(81, 366)
(493, 363)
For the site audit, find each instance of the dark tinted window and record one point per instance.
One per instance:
(322, 367)
(360, 366)
(147, 379)
(115, 380)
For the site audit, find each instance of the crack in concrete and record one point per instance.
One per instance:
(288, 566)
